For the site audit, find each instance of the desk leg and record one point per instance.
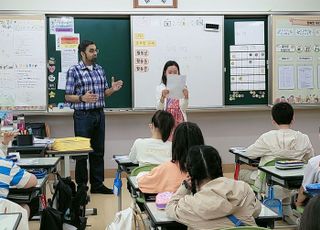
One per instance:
(120, 193)
(66, 168)
(236, 171)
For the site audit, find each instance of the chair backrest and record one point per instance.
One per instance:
(144, 168)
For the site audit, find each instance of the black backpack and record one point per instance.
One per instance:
(69, 202)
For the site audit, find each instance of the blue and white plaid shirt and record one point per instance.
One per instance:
(81, 80)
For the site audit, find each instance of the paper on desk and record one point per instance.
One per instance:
(175, 85)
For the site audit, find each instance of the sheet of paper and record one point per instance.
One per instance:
(286, 77)
(67, 41)
(69, 57)
(249, 32)
(175, 85)
(61, 25)
(305, 77)
(62, 80)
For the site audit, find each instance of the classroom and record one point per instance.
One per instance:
(224, 118)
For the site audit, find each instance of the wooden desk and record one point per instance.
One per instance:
(10, 221)
(65, 164)
(288, 178)
(241, 158)
(124, 165)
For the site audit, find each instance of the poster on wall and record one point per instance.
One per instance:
(296, 59)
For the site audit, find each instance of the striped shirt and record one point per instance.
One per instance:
(80, 79)
(11, 175)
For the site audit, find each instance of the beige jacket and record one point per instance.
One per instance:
(281, 144)
(208, 208)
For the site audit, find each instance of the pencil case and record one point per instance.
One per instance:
(162, 199)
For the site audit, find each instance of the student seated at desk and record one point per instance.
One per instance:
(206, 198)
(311, 176)
(157, 149)
(12, 175)
(168, 176)
(283, 143)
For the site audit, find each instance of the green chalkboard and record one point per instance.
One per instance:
(235, 93)
(112, 37)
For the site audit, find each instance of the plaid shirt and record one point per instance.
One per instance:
(81, 80)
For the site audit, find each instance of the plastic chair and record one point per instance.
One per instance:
(144, 168)
(246, 228)
(140, 198)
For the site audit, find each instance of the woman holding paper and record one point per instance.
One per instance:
(177, 107)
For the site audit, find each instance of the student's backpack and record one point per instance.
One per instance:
(69, 202)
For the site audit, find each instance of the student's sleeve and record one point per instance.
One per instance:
(149, 182)
(187, 208)
(309, 175)
(133, 152)
(70, 83)
(309, 152)
(184, 104)
(3, 150)
(20, 177)
(159, 104)
(258, 149)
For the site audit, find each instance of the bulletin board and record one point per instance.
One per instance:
(22, 62)
(246, 55)
(184, 39)
(296, 59)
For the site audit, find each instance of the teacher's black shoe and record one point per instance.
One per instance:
(101, 190)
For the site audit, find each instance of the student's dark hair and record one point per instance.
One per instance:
(166, 66)
(282, 113)
(164, 121)
(203, 162)
(84, 44)
(186, 135)
(310, 218)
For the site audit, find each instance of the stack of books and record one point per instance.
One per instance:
(289, 164)
(71, 144)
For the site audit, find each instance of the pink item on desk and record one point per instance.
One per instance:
(162, 199)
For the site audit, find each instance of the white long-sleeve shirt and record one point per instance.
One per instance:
(150, 151)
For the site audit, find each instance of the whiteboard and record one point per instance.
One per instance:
(22, 62)
(157, 39)
(296, 59)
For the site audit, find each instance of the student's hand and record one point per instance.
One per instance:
(8, 136)
(117, 85)
(185, 93)
(90, 97)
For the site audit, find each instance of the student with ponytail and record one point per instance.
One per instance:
(157, 149)
(206, 199)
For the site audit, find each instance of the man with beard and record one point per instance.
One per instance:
(86, 89)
